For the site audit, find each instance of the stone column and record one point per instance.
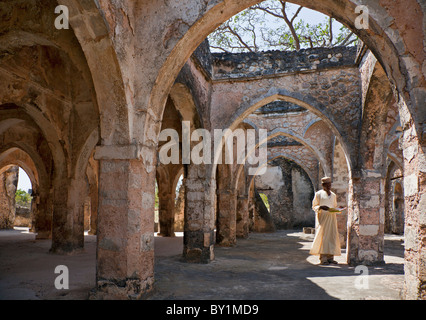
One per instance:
(242, 220)
(226, 229)
(340, 187)
(94, 202)
(68, 216)
(199, 214)
(415, 214)
(87, 213)
(180, 210)
(366, 219)
(42, 214)
(8, 185)
(125, 239)
(166, 212)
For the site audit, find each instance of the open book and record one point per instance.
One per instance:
(337, 210)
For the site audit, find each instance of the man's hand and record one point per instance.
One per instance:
(324, 208)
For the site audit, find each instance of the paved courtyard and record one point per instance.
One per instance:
(265, 266)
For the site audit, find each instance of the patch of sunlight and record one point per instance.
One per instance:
(371, 287)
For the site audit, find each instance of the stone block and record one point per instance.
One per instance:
(368, 256)
(369, 216)
(195, 196)
(411, 238)
(421, 208)
(372, 202)
(368, 230)
(410, 185)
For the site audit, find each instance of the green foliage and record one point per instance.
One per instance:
(23, 198)
(276, 25)
(265, 200)
(156, 196)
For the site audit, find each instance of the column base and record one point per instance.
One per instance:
(226, 243)
(43, 235)
(128, 289)
(198, 247)
(66, 249)
(170, 235)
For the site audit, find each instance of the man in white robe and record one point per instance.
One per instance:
(326, 242)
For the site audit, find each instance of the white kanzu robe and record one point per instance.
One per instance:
(326, 239)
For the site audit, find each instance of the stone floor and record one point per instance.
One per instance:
(262, 267)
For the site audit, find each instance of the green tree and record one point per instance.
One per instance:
(23, 198)
(274, 25)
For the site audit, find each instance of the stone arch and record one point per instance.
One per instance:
(15, 156)
(185, 105)
(391, 155)
(83, 156)
(29, 160)
(257, 101)
(381, 38)
(394, 199)
(286, 156)
(281, 94)
(293, 215)
(61, 169)
(112, 89)
(31, 114)
(310, 125)
(293, 135)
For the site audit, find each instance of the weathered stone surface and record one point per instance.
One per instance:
(8, 185)
(110, 80)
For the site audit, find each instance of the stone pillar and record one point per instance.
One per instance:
(94, 203)
(42, 214)
(340, 187)
(180, 211)
(68, 216)
(8, 185)
(199, 214)
(415, 214)
(366, 219)
(226, 229)
(87, 213)
(166, 212)
(242, 220)
(125, 239)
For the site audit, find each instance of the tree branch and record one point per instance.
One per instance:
(220, 48)
(268, 12)
(295, 15)
(347, 39)
(239, 38)
(290, 25)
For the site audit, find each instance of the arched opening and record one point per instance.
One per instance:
(179, 205)
(289, 191)
(23, 201)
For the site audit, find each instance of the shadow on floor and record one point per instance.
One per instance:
(269, 266)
